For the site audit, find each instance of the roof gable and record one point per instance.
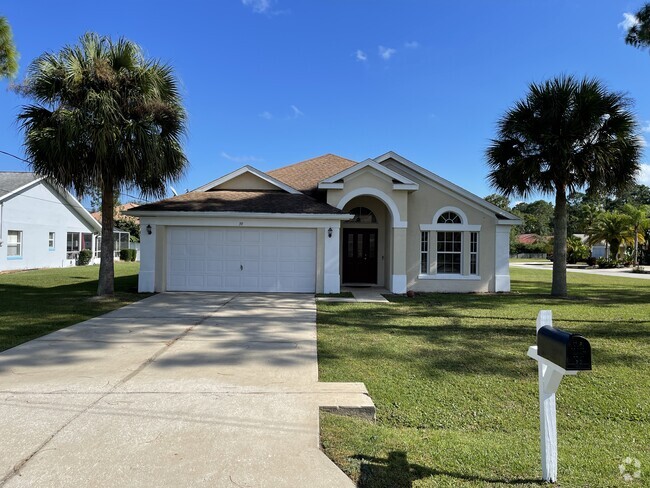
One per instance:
(474, 200)
(400, 182)
(265, 182)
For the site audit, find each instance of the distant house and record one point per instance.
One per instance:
(598, 250)
(41, 224)
(122, 237)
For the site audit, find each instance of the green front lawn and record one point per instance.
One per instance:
(34, 303)
(456, 394)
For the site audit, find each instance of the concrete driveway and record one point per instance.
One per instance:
(180, 389)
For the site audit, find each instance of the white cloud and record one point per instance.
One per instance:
(240, 159)
(643, 176)
(386, 52)
(645, 126)
(360, 55)
(258, 6)
(295, 112)
(629, 21)
(266, 115)
(412, 45)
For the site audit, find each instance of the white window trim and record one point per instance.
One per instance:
(461, 253)
(53, 239)
(19, 244)
(477, 253)
(450, 227)
(449, 277)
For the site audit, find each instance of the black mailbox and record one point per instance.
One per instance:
(569, 351)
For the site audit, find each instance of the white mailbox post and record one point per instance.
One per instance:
(573, 351)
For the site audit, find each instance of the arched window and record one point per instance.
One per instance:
(449, 218)
(363, 215)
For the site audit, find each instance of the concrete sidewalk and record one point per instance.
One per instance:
(183, 389)
(617, 272)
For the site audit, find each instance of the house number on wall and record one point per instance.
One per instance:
(241, 223)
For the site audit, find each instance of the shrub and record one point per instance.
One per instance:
(128, 254)
(85, 255)
(591, 261)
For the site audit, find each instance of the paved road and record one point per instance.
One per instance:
(185, 389)
(618, 272)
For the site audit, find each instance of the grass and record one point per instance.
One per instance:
(35, 303)
(456, 394)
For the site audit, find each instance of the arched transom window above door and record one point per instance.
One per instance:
(362, 215)
(449, 218)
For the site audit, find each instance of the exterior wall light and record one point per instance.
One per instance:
(149, 229)
(329, 232)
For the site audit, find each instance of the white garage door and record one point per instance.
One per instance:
(234, 259)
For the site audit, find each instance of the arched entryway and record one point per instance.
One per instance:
(366, 243)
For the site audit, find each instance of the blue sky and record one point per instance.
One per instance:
(273, 82)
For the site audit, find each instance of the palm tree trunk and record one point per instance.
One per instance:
(636, 246)
(558, 288)
(107, 265)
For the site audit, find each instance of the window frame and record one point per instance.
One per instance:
(474, 246)
(445, 252)
(51, 241)
(425, 242)
(18, 245)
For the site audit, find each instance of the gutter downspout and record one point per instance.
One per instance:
(2, 207)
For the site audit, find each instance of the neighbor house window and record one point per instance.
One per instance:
(14, 244)
(450, 251)
(424, 253)
(473, 253)
(51, 241)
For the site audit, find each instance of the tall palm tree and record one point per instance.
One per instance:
(638, 219)
(564, 136)
(104, 118)
(8, 53)
(614, 228)
(639, 34)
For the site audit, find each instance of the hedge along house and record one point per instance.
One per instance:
(322, 223)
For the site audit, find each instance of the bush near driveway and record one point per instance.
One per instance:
(35, 303)
(456, 394)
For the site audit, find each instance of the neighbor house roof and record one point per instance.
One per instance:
(119, 211)
(260, 201)
(306, 175)
(530, 238)
(11, 181)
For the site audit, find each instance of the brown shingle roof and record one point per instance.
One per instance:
(118, 213)
(306, 175)
(242, 201)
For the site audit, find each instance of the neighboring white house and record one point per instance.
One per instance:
(315, 225)
(41, 225)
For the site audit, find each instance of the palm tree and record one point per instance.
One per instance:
(614, 228)
(105, 118)
(564, 136)
(8, 53)
(638, 219)
(639, 34)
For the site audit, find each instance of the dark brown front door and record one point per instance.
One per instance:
(359, 255)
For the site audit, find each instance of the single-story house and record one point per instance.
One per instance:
(322, 223)
(41, 224)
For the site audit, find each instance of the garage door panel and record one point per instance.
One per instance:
(235, 259)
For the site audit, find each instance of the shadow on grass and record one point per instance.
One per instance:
(30, 311)
(395, 471)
